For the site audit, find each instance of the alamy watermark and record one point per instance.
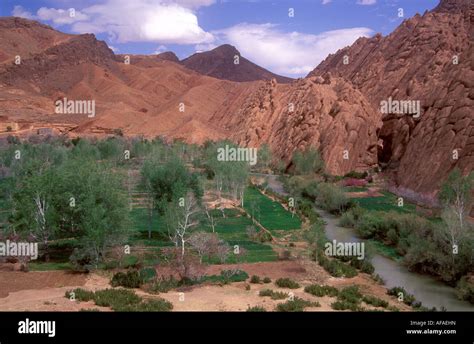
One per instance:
(401, 107)
(228, 153)
(19, 249)
(75, 107)
(341, 249)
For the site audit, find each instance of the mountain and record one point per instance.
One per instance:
(429, 58)
(222, 63)
(144, 98)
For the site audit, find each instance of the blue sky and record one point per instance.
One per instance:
(262, 30)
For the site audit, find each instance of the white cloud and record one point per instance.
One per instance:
(325, 2)
(162, 21)
(19, 11)
(60, 16)
(288, 53)
(366, 2)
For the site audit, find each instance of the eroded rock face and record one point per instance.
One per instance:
(329, 115)
(429, 59)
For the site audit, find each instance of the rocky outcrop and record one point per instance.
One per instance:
(326, 113)
(430, 59)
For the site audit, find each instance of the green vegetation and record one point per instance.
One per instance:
(121, 300)
(349, 298)
(256, 309)
(270, 214)
(129, 279)
(321, 290)
(274, 295)
(465, 290)
(287, 283)
(296, 305)
(375, 301)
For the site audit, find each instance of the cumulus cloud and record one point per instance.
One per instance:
(162, 21)
(19, 11)
(60, 16)
(288, 53)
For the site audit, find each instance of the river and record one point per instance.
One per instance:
(428, 290)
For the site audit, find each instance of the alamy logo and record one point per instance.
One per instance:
(19, 249)
(401, 107)
(341, 249)
(75, 107)
(37, 327)
(237, 154)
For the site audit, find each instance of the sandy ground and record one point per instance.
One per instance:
(45, 291)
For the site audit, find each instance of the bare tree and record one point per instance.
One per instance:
(212, 221)
(180, 219)
(204, 243)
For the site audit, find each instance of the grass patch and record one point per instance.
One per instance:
(270, 214)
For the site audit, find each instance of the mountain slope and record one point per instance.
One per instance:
(221, 63)
(418, 62)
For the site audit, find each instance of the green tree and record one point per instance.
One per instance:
(307, 162)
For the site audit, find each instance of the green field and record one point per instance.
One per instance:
(387, 202)
(268, 213)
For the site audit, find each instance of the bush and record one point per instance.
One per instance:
(287, 283)
(465, 290)
(335, 267)
(321, 290)
(356, 175)
(332, 198)
(154, 305)
(296, 305)
(256, 309)
(255, 279)
(407, 298)
(130, 279)
(163, 285)
(117, 299)
(274, 295)
(350, 294)
(345, 305)
(267, 280)
(80, 295)
(147, 274)
(375, 301)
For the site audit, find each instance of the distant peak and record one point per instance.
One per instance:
(226, 49)
(168, 56)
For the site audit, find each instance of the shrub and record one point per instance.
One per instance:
(332, 198)
(335, 267)
(274, 295)
(163, 285)
(247, 287)
(350, 294)
(155, 305)
(375, 301)
(80, 295)
(465, 290)
(356, 175)
(256, 309)
(321, 290)
(130, 279)
(117, 299)
(255, 279)
(296, 305)
(345, 305)
(407, 298)
(147, 274)
(287, 283)
(267, 280)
